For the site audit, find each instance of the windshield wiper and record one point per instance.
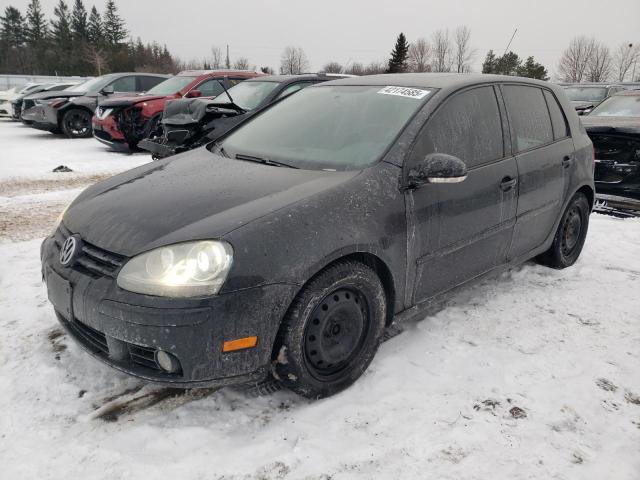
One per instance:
(264, 161)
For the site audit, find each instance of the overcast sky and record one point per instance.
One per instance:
(357, 30)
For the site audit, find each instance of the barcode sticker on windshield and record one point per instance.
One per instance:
(405, 92)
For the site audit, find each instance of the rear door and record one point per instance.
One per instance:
(543, 153)
(461, 230)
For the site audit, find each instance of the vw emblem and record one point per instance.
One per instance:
(68, 250)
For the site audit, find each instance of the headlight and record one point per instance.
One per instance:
(183, 270)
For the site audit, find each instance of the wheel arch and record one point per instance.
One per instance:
(588, 192)
(62, 112)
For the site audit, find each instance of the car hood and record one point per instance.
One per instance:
(56, 94)
(196, 195)
(604, 124)
(129, 100)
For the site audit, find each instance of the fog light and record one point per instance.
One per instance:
(167, 362)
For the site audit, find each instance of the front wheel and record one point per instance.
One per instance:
(332, 331)
(570, 235)
(76, 123)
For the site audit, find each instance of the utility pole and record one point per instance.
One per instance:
(227, 61)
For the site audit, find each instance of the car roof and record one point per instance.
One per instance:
(593, 84)
(122, 74)
(628, 93)
(290, 78)
(185, 73)
(451, 81)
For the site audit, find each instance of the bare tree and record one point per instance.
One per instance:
(293, 61)
(625, 56)
(599, 66)
(420, 56)
(216, 57)
(464, 54)
(376, 67)
(332, 67)
(241, 63)
(96, 57)
(356, 68)
(442, 49)
(575, 58)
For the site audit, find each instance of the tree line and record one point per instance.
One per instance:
(75, 42)
(587, 59)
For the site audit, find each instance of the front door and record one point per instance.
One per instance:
(462, 230)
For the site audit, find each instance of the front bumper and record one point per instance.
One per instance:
(106, 320)
(41, 117)
(108, 137)
(5, 109)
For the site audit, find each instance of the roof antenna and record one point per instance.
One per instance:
(509, 44)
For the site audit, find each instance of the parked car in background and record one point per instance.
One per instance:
(192, 122)
(6, 110)
(70, 111)
(292, 242)
(17, 103)
(614, 129)
(122, 122)
(585, 96)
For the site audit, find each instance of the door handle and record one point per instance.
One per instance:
(508, 183)
(566, 161)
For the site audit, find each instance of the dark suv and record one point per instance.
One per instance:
(70, 111)
(289, 245)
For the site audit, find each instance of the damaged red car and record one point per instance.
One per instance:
(122, 122)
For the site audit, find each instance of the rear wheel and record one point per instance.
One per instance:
(332, 330)
(570, 236)
(76, 123)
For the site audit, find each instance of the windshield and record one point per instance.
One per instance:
(618, 106)
(335, 127)
(171, 85)
(76, 86)
(586, 94)
(29, 88)
(248, 95)
(94, 85)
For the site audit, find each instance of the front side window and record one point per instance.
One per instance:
(337, 127)
(146, 82)
(467, 126)
(124, 84)
(528, 115)
(618, 106)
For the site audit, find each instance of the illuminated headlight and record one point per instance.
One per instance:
(182, 270)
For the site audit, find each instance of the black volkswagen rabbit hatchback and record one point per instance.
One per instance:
(287, 247)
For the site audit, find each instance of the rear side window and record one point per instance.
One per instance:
(467, 126)
(529, 117)
(147, 83)
(124, 84)
(558, 121)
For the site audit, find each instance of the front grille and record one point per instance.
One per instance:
(93, 260)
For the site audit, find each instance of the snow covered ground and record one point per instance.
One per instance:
(533, 375)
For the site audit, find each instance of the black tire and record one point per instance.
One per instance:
(332, 330)
(27, 122)
(570, 236)
(76, 123)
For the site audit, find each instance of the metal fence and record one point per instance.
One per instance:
(10, 81)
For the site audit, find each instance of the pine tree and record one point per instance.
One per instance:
(37, 28)
(13, 28)
(532, 69)
(62, 41)
(113, 25)
(79, 21)
(94, 28)
(398, 60)
(489, 65)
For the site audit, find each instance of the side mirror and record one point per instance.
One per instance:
(437, 168)
(108, 90)
(194, 94)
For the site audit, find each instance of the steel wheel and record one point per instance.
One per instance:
(336, 332)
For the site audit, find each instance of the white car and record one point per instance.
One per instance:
(8, 96)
